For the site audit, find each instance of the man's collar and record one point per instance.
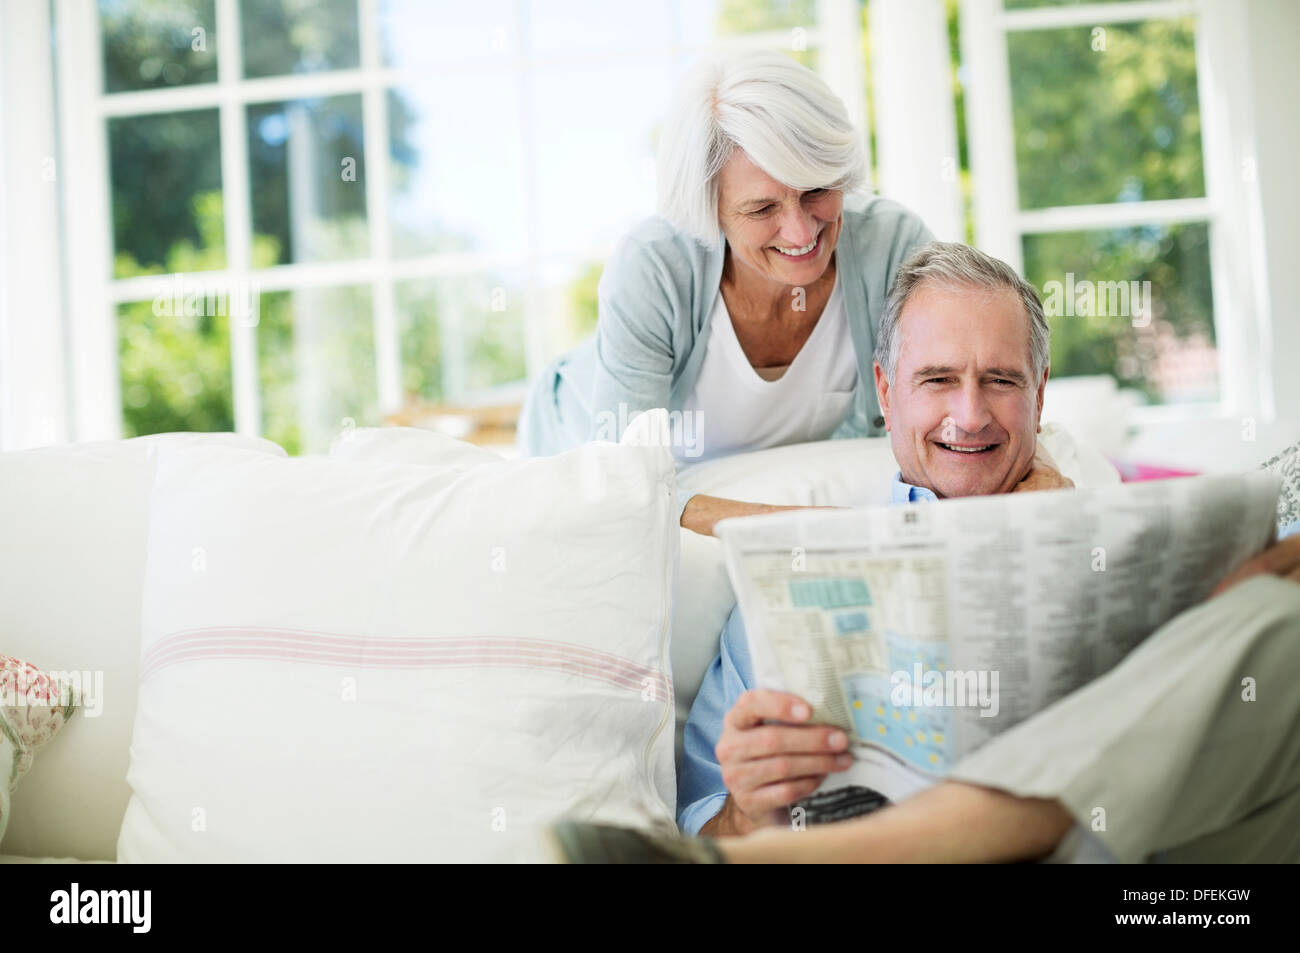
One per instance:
(907, 493)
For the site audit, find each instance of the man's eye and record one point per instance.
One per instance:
(1004, 381)
(938, 380)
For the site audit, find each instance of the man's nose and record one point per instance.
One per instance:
(969, 409)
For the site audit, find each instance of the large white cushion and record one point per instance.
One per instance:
(73, 521)
(362, 661)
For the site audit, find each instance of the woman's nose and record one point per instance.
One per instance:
(798, 228)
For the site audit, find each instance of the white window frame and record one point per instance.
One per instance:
(1231, 205)
(33, 364)
(93, 294)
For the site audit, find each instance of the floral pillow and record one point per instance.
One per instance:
(33, 707)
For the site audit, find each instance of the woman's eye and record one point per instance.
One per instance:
(815, 192)
(762, 211)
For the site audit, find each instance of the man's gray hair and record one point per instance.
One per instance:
(952, 265)
(781, 113)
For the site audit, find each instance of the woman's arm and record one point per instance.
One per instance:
(702, 513)
(640, 307)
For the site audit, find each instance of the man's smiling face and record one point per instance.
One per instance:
(964, 407)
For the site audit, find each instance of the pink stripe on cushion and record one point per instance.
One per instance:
(460, 658)
(316, 635)
(407, 650)
(246, 642)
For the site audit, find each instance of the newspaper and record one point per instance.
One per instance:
(924, 630)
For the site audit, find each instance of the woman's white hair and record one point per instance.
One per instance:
(782, 114)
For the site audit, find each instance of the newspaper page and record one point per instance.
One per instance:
(923, 630)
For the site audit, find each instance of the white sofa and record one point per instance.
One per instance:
(75, 528)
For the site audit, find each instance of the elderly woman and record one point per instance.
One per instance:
(749, 307)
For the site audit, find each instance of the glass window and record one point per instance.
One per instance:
(176, 156)
(1132, 302)
(520, 148)
(175, 365)
(308, 179)
(1030, 4)
(595, 151)
(456, 179)
(316, 358)
(1131, 87)
(793, 18)
(598, 26)
(461, 335)
(152, 44)
(298, 36)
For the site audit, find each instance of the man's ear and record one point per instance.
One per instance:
(1042, 390)
(882, 392)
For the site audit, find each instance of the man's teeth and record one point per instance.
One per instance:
(948, 446)
(796, 252)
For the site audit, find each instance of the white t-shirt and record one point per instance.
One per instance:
(734, 409)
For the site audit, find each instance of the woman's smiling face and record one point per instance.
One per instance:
(784, 235)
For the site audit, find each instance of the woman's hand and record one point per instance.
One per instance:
(702, 513)
(1281, 560)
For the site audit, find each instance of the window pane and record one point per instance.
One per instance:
(1109, 116)
(309, 193)
(755, 16)
(418, 323)
(595, 152)
(316, 362)
(456, 180)
(1132, 302)
(298, 36)
(165, 177)
(1026, 4)
(149, 44)
(416, 33)
(461, 335)
(569, 26)
(175, 367)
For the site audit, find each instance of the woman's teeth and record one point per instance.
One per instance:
(796, 252)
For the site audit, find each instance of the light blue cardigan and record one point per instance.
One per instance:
(655, 297)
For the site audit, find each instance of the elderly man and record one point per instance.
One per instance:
(961, 366)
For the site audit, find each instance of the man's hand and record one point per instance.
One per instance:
(767, 767)
(1281, 559)
(1043, 475)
